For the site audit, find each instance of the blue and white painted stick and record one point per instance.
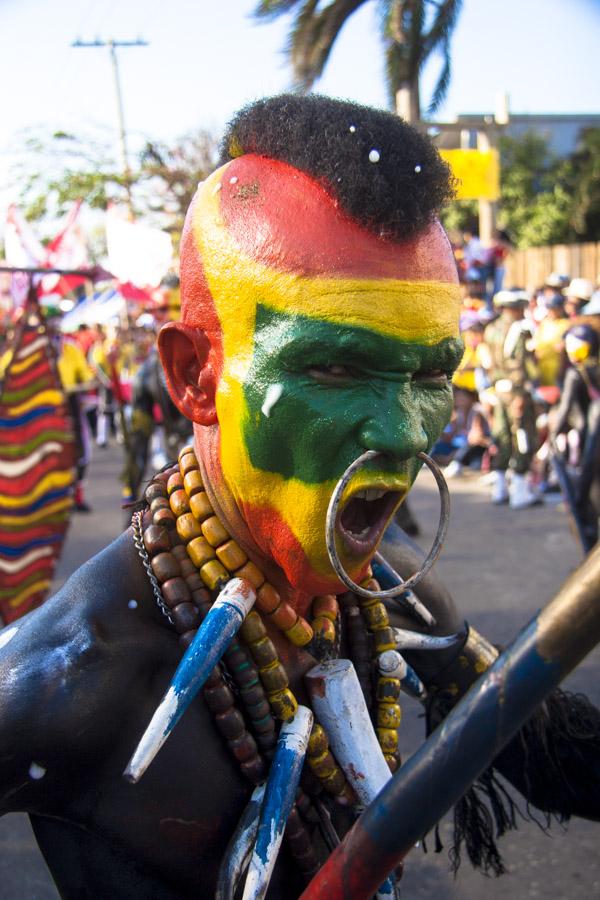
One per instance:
(393, 665)
(240, 847)
(220, 626)
(282, 785)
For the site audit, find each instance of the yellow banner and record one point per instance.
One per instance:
(477, 171)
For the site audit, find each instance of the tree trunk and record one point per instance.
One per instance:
(408, 105)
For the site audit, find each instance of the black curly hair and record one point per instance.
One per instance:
(384, 173)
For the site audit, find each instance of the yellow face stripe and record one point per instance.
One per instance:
(49, 482)
(44, 398)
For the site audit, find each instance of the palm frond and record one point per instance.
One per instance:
(442, 84)
(268, 10)
(313, 36)
(442, 27)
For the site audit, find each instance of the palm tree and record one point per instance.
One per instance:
(411, 31)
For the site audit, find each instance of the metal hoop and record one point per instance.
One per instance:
(332, 514)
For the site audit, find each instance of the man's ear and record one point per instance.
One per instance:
(190, 377)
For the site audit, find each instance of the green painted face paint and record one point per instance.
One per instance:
(318, 394)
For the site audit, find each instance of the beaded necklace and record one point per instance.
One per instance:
(191, 554)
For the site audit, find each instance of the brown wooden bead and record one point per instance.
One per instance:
(300, 633)
(325, 606)
(201, 597)
(254, 769)
(185, 616)
(175, 482)
(200, 551)
(146, 519)
(164, 517)
(179, 502)
(201, 506)
(322, 765)
(188, 527)
(192, 482)
(159, 503)
(243, 748)
(267, 598)
(346, 797)
(187, 637)
(214, 679)
(251, 573)
(260, 714)
(213, 574)
(194, 582)
(231, 555)
(317, 742)
(214, 532)
(335, 782)
(230, 724)
(154, 490)
(392, 761)
(267, 739)
(252, 628)
(176, 591)
(187, 463)
(188, 569)
(165, 566)
(263, 652)
(253, 695)
(156, 539)
(179, 552)
(274, 678)
(219, 699)
(284, 616)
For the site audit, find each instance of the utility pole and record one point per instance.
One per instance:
(112, 46)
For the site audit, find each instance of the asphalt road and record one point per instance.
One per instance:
(501, 567)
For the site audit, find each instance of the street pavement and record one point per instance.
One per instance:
(501, 566)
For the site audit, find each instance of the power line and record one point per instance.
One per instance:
(112, 47)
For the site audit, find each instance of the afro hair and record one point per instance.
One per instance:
(384, 173)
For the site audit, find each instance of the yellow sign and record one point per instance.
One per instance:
(477, 171)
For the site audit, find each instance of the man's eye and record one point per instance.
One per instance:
(330, 374)
(433, 376)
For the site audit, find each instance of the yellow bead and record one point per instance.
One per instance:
(376, 616)
(323, 764)
(231, 555)
(193, 482)
(389, 715)
(251, 573)
(300, 634)
(179, 502)
(383, 639)
(214, 574)
(175, 483)
(201, 506)
(388, 739)
(267, 598)
(283, 704)
(324, 629)
(187, 463)
(388, 689)
(189, 448)
(214, 532)
(188, 528)
(200, 551)
(392, 761)
(317, 742)
(326, 607)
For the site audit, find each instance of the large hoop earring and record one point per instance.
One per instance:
(332, 514)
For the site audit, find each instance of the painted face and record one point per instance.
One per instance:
(326, 341)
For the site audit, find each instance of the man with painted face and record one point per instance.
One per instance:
(319, 321)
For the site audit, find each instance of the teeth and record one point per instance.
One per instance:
(370, 494)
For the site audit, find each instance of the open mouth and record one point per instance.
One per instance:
(365, 516)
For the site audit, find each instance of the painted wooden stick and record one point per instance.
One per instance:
(413, 640)
(393, 665)
(218, 629)
(280, 793)
(387, 577)
(240, 847)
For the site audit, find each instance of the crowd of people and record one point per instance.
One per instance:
(527, 392)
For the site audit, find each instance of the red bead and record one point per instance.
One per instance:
(156, 539)
(176, 591)
(230, 724)
(165, 566)
(185, 616)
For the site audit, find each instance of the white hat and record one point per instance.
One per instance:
(580, 288)
(556, 280)
(593, 307)
(511, 298)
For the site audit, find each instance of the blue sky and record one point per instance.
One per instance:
(205, 59)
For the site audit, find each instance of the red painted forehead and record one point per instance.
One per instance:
(283, 218)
